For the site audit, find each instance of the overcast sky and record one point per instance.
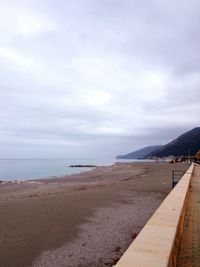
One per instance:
(96, 78)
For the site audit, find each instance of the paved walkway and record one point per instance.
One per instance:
(189, 255)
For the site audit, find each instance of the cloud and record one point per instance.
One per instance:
(96, 78)
(19, 20)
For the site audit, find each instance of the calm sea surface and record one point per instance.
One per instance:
(11, 169)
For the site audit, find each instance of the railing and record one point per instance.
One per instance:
(176, 176)
(158, 243)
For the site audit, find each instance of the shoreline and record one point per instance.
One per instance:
(90, 214)
(76, 169)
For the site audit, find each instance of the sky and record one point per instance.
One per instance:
(96, 78)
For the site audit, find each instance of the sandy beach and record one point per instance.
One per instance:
(81, 220)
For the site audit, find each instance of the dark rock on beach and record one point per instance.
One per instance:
(82, 166)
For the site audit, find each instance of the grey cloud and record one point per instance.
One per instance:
(96, 77)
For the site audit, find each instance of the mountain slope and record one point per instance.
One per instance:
(141, 153)
(187, 143)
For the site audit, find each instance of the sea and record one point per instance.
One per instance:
(27, 169)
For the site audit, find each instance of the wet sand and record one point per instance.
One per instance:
(87, 219)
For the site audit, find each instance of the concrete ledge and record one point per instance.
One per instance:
(158, 243)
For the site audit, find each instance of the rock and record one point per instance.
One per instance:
(134, 235)
(82, 166)
(117, 249)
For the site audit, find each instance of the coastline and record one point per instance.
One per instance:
(34, 169)
(85, 219)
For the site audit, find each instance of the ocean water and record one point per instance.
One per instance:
(24, 169)
(11, 169)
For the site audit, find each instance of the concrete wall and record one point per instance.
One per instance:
(158, 243)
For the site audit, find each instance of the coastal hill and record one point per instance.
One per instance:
(187, 143)
(138, 154)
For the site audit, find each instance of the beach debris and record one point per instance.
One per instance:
(33, 182)
(116, 249)
(33, 195)
(134, 235)
(112, 261)
(108, 263)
